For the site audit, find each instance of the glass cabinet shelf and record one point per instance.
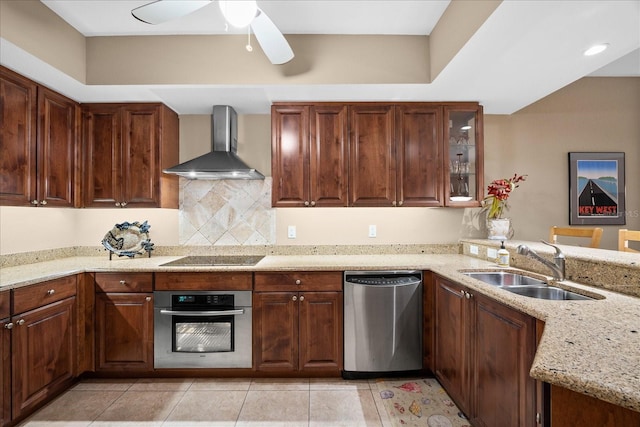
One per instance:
(464, 136)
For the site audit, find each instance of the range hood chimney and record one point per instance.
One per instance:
(222, 162)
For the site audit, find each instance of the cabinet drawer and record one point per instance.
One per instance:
(124, 282)
(299, 281)
(30, 297)
(236, 281)
(5, 299)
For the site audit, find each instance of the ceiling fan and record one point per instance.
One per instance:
(238, 13)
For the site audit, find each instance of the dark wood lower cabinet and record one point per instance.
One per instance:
(483, 354)
(5, 372)
(504, 340)
(570, 409)
(298, 331)
(124, 332)
(43, 354)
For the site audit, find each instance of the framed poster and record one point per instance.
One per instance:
(596, 188)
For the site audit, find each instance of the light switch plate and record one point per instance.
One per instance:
(291, 232)
(492, 253)
(473, 249)
(373, 232)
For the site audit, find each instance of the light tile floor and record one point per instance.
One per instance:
(217, 402)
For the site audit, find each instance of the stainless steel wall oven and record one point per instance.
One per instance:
(202, 329)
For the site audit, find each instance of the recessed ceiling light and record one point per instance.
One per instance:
(596, 49)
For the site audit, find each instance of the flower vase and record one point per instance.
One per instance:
(498, 229)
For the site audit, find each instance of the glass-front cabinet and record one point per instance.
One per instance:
(463, 138)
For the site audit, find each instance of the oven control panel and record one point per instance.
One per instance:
(201, 301)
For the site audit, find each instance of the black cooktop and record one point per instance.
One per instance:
(214, 260)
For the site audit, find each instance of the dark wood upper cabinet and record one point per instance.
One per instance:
(290, 155)
(463, 136)
(419, 155)
(58, 160)
(372, 180)
(328, 156)
(309, 155)
(39, 131)
(126, 147)
(376, 154)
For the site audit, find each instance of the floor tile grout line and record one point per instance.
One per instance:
(110, 405)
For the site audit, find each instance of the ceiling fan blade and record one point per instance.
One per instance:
(273, 43)
(161, 11)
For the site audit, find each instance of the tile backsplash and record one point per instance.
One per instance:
(226, 212)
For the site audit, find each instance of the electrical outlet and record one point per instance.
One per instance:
(291, 232)
(373, 232)
(473, 249)
(492, 253)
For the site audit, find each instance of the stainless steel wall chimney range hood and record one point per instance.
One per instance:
(222, 162)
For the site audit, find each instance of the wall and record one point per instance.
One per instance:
(592, 114)
(34, 229)
(39, 31)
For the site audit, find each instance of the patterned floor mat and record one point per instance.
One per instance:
(419, 402)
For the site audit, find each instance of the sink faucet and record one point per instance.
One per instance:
(558, 260)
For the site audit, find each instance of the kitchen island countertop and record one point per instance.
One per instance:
(591, 347)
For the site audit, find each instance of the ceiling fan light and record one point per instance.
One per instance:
(238, 13)
(596, 49)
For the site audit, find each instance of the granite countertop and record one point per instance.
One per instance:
(590, 347)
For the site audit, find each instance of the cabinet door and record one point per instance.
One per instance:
(504, 341)
(463, 135)
(17, 139)
(124, 332)
(419, 153)
(140, 155)
(275, 325)
(320, 331)
(329, 156)
(101, 138)
(5, 372)
(43, 353)
(290, 156)
(372, 176)
(57, 145)
(452, 347)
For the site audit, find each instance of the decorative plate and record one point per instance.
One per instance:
(128, 239)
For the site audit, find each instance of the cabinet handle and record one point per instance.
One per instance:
(51, 291)
(462, 292)
(44, 202)
(295, 298)
(20, 322)
(400, 203)
(123, 204)
(298, 282)
(148, 299)
(306, 203)
(301, 298)
(123, 282)
(468, 295)
(117, 204)
(313, 203)
(394, 203)
(34, 202)
(8, 326)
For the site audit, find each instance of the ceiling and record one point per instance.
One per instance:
(523, 52)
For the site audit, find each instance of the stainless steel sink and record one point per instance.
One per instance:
(505, 278)
(546, 292)
(527, 286)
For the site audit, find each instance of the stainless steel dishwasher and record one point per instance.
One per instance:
(382, 323)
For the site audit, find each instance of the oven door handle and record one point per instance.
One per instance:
(203, 313)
